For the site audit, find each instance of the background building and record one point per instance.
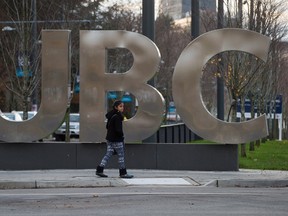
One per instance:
(179, 9)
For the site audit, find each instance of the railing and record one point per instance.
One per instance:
(175, 133)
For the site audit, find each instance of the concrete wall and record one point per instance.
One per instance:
(56, 155)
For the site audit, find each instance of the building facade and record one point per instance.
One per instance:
(179, 9)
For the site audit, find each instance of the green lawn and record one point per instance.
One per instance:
(271, 155)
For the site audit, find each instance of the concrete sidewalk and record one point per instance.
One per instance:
(87, 178)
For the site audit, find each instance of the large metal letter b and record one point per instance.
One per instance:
(95, 82)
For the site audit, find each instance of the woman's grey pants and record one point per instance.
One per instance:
(119, 148)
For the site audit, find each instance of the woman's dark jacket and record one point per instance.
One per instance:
(114, 126)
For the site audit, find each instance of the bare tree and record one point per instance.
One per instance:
(246, 76)
(21, 47)
(20, 53)
(282, 85)
(171, 40)
(117, 17)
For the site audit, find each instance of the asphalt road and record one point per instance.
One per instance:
(147, 200)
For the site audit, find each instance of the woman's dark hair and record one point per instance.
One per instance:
(117, 103)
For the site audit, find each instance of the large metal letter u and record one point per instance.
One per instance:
(54, 92)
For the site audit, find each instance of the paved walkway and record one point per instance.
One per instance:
(87, 178)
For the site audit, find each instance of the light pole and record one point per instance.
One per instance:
(148, 26)
(148, 23)
(195, 18)
(220, 81)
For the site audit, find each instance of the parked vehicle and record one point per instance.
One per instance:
(31, 114)
(74, 126)
(12, 116)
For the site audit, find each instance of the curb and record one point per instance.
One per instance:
(111, 182)
(17, 185)
(61, 184)
(249, 183)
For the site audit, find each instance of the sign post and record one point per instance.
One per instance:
(278, 112)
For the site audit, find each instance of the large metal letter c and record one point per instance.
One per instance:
(186, 85)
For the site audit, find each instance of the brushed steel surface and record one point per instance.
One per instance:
(95, 82)
(54, 92)
(187, 90)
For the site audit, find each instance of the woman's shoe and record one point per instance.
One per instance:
(127, 176)
(123, 174)
(99, 172)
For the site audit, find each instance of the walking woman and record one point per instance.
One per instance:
(115, 140)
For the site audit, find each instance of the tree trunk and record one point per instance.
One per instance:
(243, 150)
(258, 143)
(252, 146)
(25, 108)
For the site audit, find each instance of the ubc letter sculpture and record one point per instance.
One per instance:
(95, 82)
